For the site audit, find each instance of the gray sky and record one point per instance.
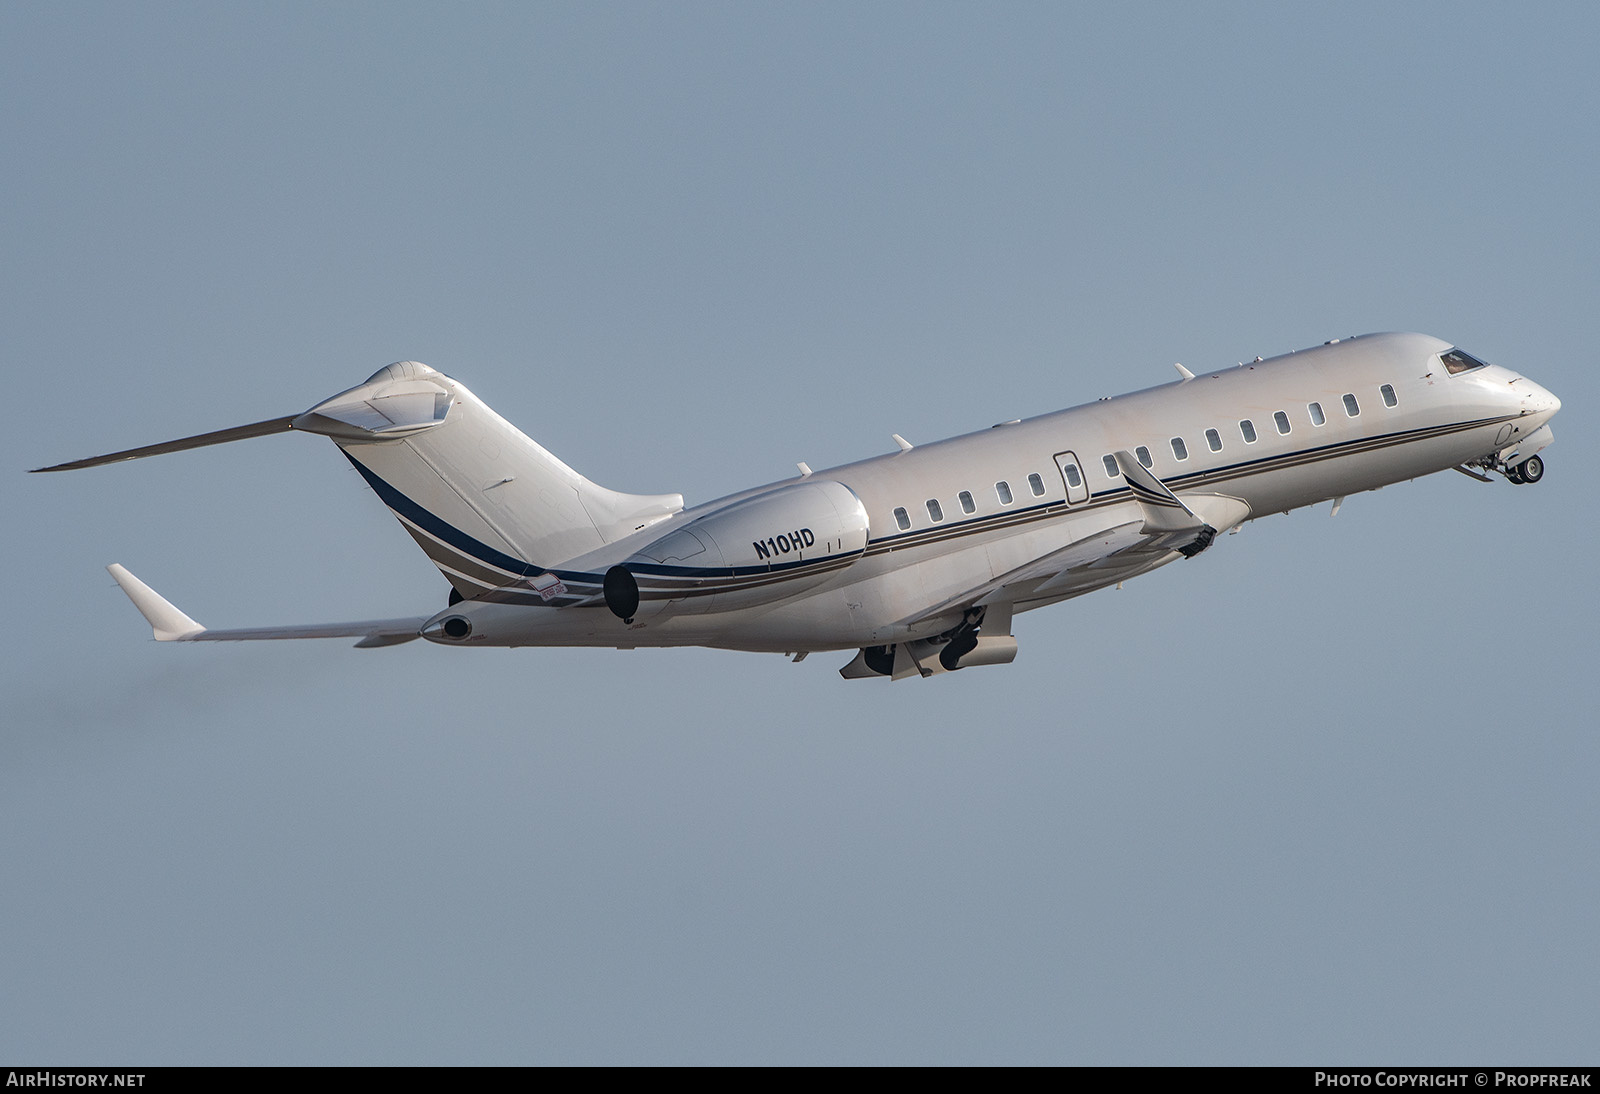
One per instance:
(1322, 795)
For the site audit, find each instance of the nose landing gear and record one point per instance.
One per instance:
(1530, 470)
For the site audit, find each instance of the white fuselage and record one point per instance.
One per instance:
(946, 517)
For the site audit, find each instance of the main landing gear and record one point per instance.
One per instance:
(1530, 470)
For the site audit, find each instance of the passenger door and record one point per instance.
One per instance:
(1072, 475)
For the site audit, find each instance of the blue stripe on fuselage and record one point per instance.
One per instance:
(475, 548)
(443, 530)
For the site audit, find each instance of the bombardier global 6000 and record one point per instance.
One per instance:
(919, 559)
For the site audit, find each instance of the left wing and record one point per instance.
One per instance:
(1169, 524)
(171, 625)
(1103, 550)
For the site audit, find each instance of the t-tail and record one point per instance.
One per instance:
(485, 502)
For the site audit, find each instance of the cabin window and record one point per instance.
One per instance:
(1144, 456)
(935, 514)
(1247, 430)
(1389, 397)
(1315, 410)
(1455, 361)
(1073, 475)
(1281, 420)
(902, 519)
(1351, 407)
(1036, 484)
(1112, 470)
(1002, 490)
(1213, 440)
(965, 498)
(1180, 451)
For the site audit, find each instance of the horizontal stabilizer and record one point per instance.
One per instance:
(220, 436)
(397, 401)
(171, 625)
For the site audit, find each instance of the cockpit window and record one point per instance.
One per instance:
(1456, 362)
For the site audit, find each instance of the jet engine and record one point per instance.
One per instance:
(756, 551)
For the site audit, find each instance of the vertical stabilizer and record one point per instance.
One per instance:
(485, 502)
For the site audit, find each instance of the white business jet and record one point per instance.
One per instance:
(919, 559)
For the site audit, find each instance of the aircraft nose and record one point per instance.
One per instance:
(1539, 400)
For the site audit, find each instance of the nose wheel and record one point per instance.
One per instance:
(1530, 470)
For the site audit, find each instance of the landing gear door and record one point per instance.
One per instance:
(1072, 475)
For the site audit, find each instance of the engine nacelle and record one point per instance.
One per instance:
(757, 551)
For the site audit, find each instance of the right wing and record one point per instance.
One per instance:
(171, 625)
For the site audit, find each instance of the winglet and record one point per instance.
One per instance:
(169, 624)
(1164, 512)
(1163, 509)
